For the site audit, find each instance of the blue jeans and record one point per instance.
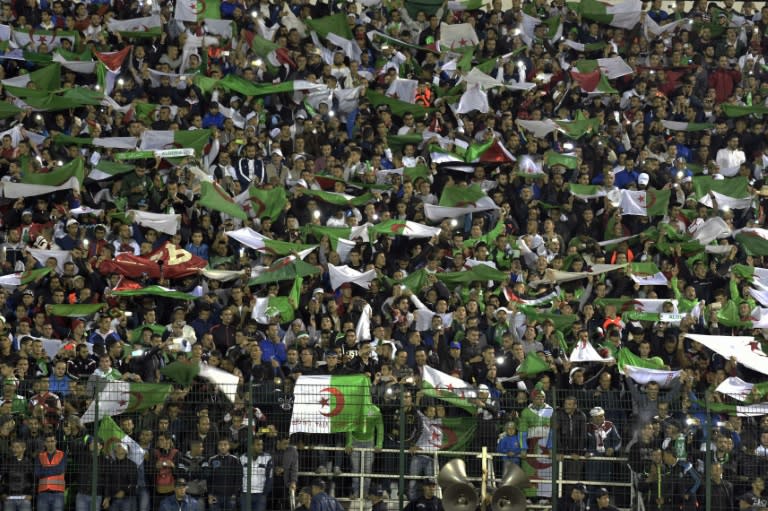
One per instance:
(258, 502)
(145, 499)
(83, 502)
(224, 503)
(421, 465)
(125, 504)
(18, 505)
(50, 501)
(362, 462)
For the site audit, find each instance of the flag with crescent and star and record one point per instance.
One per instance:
(331, 404)
(116, 397)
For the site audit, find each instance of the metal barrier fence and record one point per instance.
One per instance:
(256, 446)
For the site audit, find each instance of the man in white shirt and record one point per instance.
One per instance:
(730, 158)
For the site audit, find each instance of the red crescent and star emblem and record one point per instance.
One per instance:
(326, 402)
(448, 437)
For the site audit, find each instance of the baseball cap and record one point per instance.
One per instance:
(455, 345)
(594, 412)
(181, 482)
(643, 179)
(72, 221)
(602, 492)
(318, 482)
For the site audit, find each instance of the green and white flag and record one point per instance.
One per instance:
(116, 397)
(627, 358)
(744, 348)
(751, 273)
(110, 434)
(458, 35)
(587, 192)
(644, 203)
(754, 240)
(403, 228)
(77, 310)
(213, 197)
(687, 126)
(585, 352)
(645, 375)
(626, 14)
(448, 388)
(756, 410)
(339, 275)
(161, 291)
(330, 404)
(27, 277)
(196, 10)
(257, 241)
(647, 274)
(184, 372)
(741, 390)
(166, 223)
(465, 5)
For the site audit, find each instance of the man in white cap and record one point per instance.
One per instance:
(603, 441)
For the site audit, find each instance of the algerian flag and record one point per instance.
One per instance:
(169, 224)
(725, 201)
(751, 273)
(759, 292)
(585, 352)
(456, 201)
(258, 241)
(568, 161)
(18, 190)
(148, 24)
(342, 274)
(753, 239)
(687, 126)
(263, 202)
(652, 29)
(713, 229)
(626, 14)
(155, 291)
(222, 275)
(195, 10)
(195, 139)
(117, 397)
(647, 274)
(652, 305)
(533, 364)
(183, 372)
(513, 298)
(212, 196)
(465, 5)
(458, 35)
(272, 306)
(756, 410)
(110, 434)
(744, 348)
(403, 89)
(644, 375)
(446, 433)
(448, 388)
(77, 310)
(587, 192)
(331, 404)
(644, 203)
(404, 228)
(626, 357)
(21, 279)
(739, 389)
(742, 110)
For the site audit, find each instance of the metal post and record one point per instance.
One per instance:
(95, 464)
(249, 450)
(401, 482)
(555, 465)
(708, 460)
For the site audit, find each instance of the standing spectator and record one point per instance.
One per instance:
(224, 478)
(286, 462)
(179, 501)
(257, 483)
(50, 469)
(120, 490)
(570, 425)
(18, 479)
(369, 437)
(721, 497)
(602, 441)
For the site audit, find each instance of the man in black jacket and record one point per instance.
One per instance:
(571, 428)
(120, 488)
(19, 478)
(225, 478)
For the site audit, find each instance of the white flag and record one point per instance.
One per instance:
(169, 224)
(744, 348)
(403, 89)
(736, 388)
(473, 99)
(585, 352)
(643, 375)
(343, 274)
(713, 229)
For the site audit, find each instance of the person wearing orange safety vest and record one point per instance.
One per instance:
(50, 466)
(423, 95)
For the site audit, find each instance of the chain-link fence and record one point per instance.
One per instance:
(148, 447)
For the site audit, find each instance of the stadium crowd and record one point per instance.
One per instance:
(453, 189)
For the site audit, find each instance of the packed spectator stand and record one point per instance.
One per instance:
(285, 255)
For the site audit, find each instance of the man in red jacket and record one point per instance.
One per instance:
(724, 80)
